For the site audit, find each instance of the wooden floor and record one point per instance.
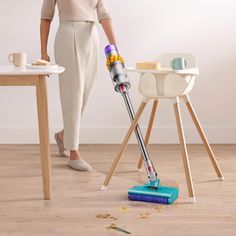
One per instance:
(79, 208)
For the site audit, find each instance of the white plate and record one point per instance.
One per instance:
(30, 66)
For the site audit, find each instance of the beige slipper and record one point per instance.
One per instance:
(80, 165)
(62, 151)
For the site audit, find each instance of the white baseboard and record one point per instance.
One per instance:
(103, 135)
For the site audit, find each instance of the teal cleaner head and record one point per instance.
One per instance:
(161, 194)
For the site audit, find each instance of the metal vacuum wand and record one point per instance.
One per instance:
(115, 65)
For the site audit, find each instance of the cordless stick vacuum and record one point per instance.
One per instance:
(151, 191)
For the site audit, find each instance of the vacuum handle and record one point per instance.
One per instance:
(152, 174)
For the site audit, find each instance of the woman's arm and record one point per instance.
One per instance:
(44, 32)
(108, 29)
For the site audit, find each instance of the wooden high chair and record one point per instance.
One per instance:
(174, 85)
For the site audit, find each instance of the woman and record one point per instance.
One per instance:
(76, 48)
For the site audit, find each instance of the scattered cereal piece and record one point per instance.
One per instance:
(106, 216)
(103, 216)
(158, 208)
(124, 209)
(144, 215)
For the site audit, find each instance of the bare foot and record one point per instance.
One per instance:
(74, 155)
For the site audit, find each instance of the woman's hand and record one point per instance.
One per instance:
(45, 57)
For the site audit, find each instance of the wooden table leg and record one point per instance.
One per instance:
(149, 129)
(42, 106)
(123, 146)
(184, 151)
(203, 137)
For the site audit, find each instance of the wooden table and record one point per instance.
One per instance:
(11, 76)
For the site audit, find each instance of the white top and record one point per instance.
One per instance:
(11, 70)
(190, 71)
(75, 10)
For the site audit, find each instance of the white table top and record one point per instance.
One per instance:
(11, 70)
(190, 71)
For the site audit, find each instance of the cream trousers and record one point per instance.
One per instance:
(76, 48)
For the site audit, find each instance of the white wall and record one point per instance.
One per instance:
(145, 29)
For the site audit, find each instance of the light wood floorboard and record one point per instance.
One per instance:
(77, 199)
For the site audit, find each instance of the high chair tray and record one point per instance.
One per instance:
(189, 71)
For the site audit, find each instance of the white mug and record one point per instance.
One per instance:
(18, 59)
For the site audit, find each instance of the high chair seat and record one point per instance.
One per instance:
(166, 83)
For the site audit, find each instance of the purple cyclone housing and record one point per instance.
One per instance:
(110, 48)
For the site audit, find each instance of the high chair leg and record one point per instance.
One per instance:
(124, 145)
(184, 150)
(203, 137)
(149, 129)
